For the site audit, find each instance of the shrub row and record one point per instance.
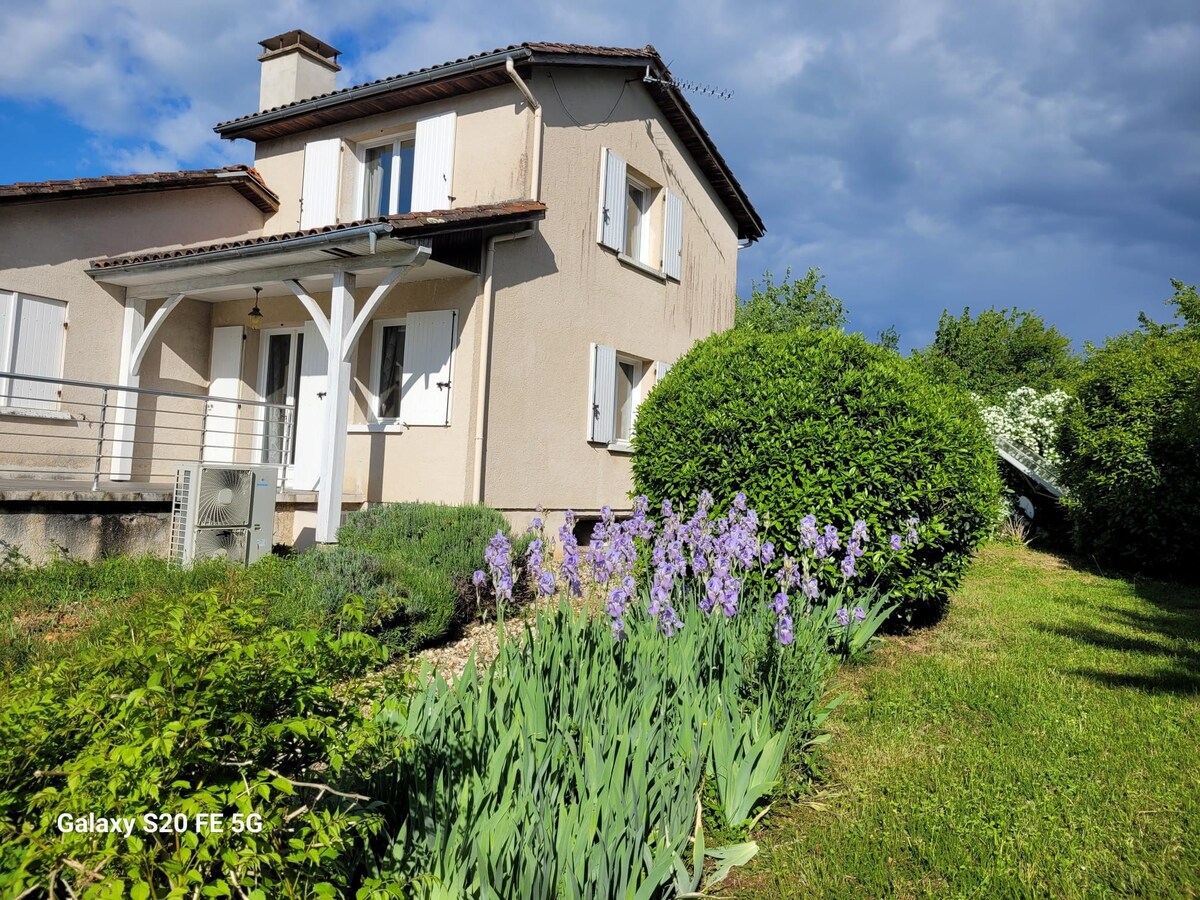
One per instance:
(410, 563)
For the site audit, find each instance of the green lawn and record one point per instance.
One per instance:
(1042, 741)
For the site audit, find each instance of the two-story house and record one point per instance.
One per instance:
(452, 285)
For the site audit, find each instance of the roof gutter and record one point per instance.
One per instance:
(232, 130)
(372, 230)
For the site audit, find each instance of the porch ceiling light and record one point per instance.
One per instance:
(256, 315)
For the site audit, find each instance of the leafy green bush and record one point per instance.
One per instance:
(826, 423)
(196, 707)
(1131, 448)
(432, 549)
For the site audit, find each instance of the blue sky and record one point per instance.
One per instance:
(923, 154)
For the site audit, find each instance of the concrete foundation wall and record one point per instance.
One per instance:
(86, 531)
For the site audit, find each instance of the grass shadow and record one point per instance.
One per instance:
(1155, 651)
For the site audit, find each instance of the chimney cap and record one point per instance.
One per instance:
(297, 40)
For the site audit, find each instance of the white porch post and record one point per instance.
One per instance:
(337, 408)
(120, 467)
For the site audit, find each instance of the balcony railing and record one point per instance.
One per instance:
(60, 429)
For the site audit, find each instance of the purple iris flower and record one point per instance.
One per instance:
(859, 614)
(783, 630)
(848, 565)
(780, 604)
(895, 542)
(842, 616)
(810, 588)
(808, 531)
(478, 578)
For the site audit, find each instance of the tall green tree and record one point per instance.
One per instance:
(1131, 446)
(998, 351)
(789, 305)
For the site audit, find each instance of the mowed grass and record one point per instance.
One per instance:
(1042, 741)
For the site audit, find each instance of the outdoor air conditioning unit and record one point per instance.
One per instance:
(223, 512)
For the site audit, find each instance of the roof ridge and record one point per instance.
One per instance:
(540, 46)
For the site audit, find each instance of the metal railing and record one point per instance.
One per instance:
(59, 429)
(1035, 466)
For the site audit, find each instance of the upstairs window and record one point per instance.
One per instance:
(388, 178)
(639, 220)
(31, 343)
(408, 172)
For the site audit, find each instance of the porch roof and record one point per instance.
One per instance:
(453, 236)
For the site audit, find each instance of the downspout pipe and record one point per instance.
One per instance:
(489, 290)
(535, 164)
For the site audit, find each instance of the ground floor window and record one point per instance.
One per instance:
(32, 335)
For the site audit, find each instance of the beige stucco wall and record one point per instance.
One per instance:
(45, 249)
(560, 291)
(491, 154)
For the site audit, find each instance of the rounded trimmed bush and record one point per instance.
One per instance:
(1131, 454)
(826, 423)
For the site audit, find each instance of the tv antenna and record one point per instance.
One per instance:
(690, 86)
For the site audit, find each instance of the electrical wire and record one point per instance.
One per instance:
(594, 125)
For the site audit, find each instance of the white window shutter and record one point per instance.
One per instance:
(309, 430)
(38, 350)
(224, 382)
(660, 371)
(610, 224)
(318, 202)
(433, 163)
(602, 395)
(673, 236)
(428, 348)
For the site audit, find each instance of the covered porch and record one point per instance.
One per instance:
(304, 331)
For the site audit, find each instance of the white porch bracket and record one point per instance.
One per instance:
(156, 322)
(136, 336)
(314, 310)
(416, 258)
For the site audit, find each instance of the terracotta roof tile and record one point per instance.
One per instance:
(411, 224)
(244, 179)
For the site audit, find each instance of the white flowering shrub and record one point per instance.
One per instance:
(1028, 418)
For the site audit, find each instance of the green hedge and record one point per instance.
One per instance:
(1131, 454)
(829, 424)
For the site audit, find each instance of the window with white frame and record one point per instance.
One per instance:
(409, 171)
(388, 369)
(628, 396)
(31, 343)
(618, 384)
(387, 177)
(637, 220)
(411, 368)
(632, 211)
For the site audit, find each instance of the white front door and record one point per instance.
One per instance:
(224, 381)
(293, 371)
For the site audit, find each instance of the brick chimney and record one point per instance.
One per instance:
(295, 66)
